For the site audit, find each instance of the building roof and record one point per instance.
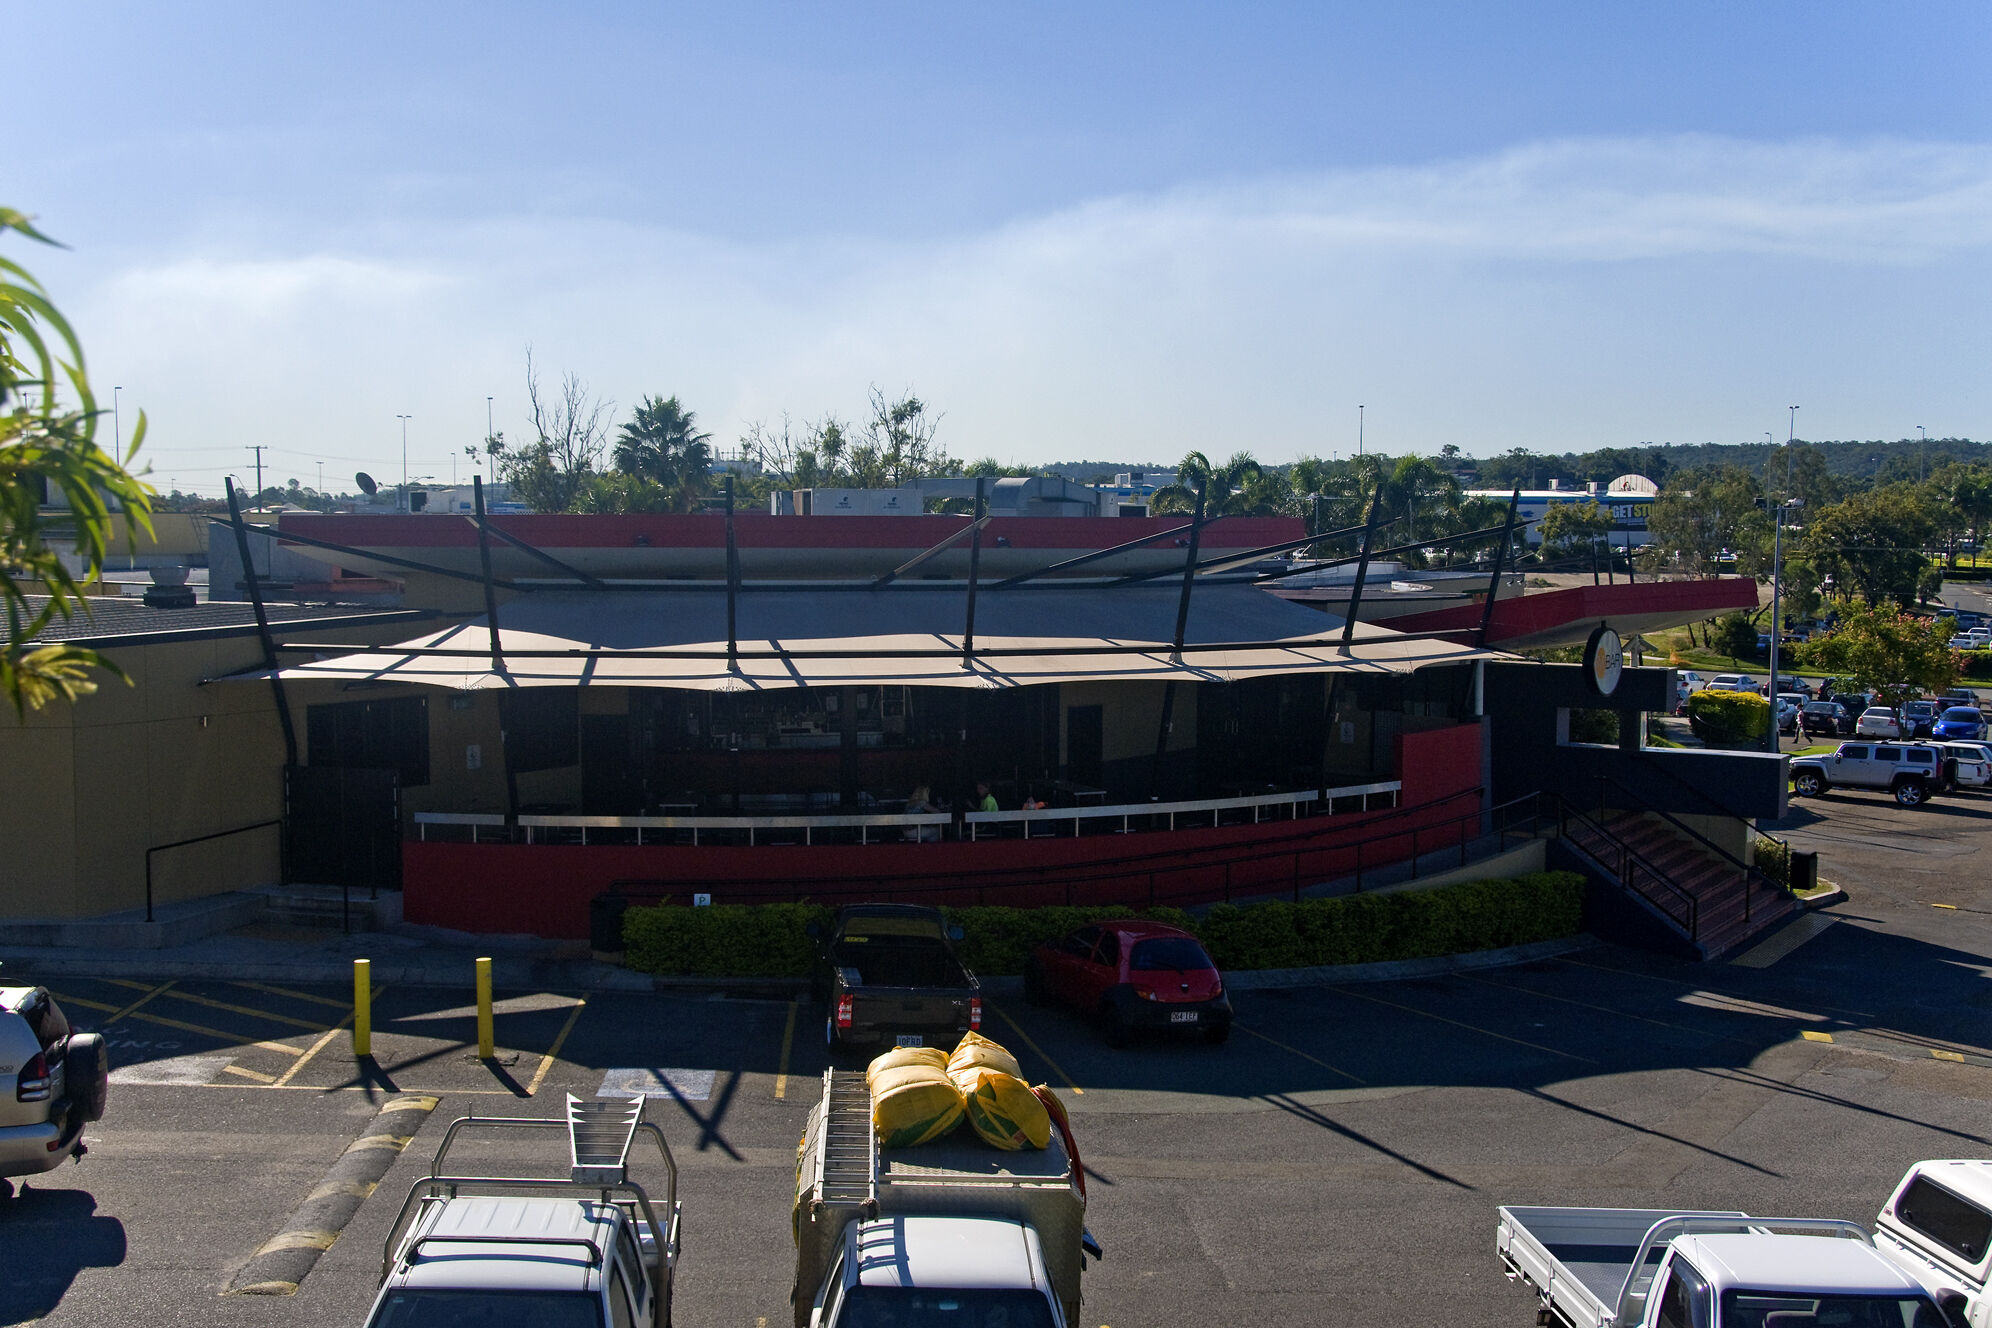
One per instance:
(907, 635)
(105, 621)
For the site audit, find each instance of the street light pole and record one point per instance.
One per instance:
(1922, 453)
(1359, 430)
(404, 459)
(1777, 618)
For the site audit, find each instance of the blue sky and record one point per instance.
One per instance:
(1114, 233)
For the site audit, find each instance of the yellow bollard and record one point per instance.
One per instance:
(485, 1048)
(362, 1007)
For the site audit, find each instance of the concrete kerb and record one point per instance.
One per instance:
(281, 1263)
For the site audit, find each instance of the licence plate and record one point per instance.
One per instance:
(911, 1040)
(1182, 1016)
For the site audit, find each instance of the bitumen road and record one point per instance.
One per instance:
(1338, 1161)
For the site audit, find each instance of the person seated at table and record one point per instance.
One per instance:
(984, 800)
(920, 802)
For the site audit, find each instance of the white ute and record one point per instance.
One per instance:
(1938, 1224)
(1650, 1268)
(588, 1250)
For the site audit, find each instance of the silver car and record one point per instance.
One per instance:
(53, 1082)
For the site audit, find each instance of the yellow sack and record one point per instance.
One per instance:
(899, 1056)
(976, 1052)
(912, 1104)
(1004, 1111)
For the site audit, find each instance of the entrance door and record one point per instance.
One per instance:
(342, 826)
(1085, 745)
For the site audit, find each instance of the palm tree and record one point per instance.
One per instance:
(1228, 489)
(661, 444)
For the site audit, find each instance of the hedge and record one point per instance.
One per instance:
(1728, 718)
(771, 940)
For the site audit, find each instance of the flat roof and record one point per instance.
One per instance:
(106, 622)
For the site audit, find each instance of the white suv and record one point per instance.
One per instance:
(53, 1082)
(1913, 772)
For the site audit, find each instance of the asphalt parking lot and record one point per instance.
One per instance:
(1339, 1160)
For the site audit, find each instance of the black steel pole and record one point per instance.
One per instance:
(1362, 570)
(974, 572)
(484, 559)
(1500, 558)
(1189, 580)
(732, 587)
(262, 622)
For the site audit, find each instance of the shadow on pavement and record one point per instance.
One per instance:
(48, 1236)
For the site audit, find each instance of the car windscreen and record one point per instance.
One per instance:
(923, 1307)
(509, 1308)
(1963, 715)
(1776, 1309)
(1169, 954)
(1821, 708)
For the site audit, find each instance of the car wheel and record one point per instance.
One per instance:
(1113, 1029)
(1911, 793)
(1034, 993)
(1217, 1033)
(1808, 783)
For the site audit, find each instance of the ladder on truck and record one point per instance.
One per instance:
(599, 1135)
(847, 1165)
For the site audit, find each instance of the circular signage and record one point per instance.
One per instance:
(1604, 660)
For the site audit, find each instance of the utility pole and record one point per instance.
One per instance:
(404, 459)
(1922, 453)
(1359, 430)
(257, 448)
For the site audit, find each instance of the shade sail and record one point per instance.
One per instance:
(901, 635)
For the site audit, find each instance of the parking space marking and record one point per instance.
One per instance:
(311, 1024)
(788, 1045)
(82, 1003)
(268, 990)
(235, 1038)
(256, 1075)
(1298, 1052)
(559, 1041)
(1696, 988)
(135, 1004)
(326, 1037)
(1458, 1023)
(1018, 1029)
(1814, 1035)
(1584, 1005)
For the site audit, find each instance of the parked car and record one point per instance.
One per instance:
(1131, 975)
(1827, 717)
(1913, 772)
(1959, 722)
(1919, 718)
(1734, 682)
(1878, 722)
(53, 1082)
(1688, 678)
(1963, 642)
(1963, 696)
(1856, 703)
(888, 974)
(1974, 763)
(1788, 707)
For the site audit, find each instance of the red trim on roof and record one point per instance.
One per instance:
(1531, 615)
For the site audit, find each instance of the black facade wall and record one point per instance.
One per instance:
(1524, 756)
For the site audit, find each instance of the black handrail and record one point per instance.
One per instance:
(1628, 857)
(1153, 865)
(1751, 871)
(202, 839)
(1660, 768)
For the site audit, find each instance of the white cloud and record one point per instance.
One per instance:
(1575, 293)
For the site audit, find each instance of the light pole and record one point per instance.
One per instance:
(117, 425)
(1777, 610)
(404, 459)
(1922, 453)
(1359, 430)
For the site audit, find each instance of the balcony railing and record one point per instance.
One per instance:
(903, 827)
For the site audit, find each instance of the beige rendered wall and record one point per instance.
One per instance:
(1129, 715)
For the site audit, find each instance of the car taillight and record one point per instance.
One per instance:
(33, 1083)
(975, 1014)
(843, 1012)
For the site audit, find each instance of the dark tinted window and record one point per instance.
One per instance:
(1963, 1228)
(1107, 952)
(1963, 714)
(489, 1309)
(1773, 1309)
(1173, 954)
(1081, 942)
(920, 1307)
(45, 1017)
(1888, 753)
(372, 735)
(1854, 752)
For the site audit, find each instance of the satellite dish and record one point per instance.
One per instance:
(366, 483)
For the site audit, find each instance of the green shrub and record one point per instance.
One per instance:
(771, 940)
(1977, 663)
(1774, 860)
(1729, 719)
(1597, 726)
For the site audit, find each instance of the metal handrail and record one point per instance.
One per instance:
(1751, 871)
(1130, 869)
(1660, 768)
(1627, 857)
(865, 822)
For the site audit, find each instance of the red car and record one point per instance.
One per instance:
(1130, 975)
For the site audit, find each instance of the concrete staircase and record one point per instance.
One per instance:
(324, 907)
(1703, 897)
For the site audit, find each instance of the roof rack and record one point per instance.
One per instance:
(599, 1135)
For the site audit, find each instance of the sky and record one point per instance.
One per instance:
(1114, 232)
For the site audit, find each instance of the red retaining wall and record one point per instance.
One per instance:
(544, 889)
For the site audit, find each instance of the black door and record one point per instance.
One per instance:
(343, 826)
(1085, 745)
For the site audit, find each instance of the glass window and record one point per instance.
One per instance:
(1107, 953)
(1081, 942)
(902, 1307)
(510, 1308)
(1674, 1301)
(1961, 1227)
(1920, 757)
(1853, 753)
(1888, 753)
(1775, 1309)
(622, 1306)
(1173, 954)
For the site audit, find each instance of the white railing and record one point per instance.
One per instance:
(1131, 818)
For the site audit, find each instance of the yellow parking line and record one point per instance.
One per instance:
(1298, 1052)
(79, 1001)
(135, 1004)
(559, 1041)
(1813, 1035)
(257, 1075)
(788, 1044)
(309, 1052)
(1456, 1023)
(250, 1010)
(235, 1038)
(294, 995)
(1018, 1029)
